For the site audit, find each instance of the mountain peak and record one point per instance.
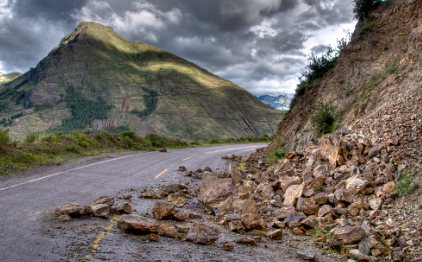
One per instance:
(95, 78)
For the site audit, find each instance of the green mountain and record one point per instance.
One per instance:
(7, 77)
(95, 78)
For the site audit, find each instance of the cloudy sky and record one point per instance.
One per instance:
(260, 45)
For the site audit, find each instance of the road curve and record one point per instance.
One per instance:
(25, 197)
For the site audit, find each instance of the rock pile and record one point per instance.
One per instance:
(339, 191)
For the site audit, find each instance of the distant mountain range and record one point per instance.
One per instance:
(95, 78)
(281, 102)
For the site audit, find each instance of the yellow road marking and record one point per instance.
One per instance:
(161, 173)
(228, 149)
(186, 159)
(102, 235)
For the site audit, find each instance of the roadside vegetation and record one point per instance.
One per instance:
(54, 148)
(318, 66)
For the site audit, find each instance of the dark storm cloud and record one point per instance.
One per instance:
(48, 9)
(319, 49)
(260, 45)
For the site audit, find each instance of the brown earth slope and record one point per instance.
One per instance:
(377, 143)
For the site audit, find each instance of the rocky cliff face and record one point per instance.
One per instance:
(96, 78)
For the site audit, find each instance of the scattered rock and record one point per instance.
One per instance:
(72, 210)
(137, 224)
(201, 233)
(154, 194)
(153, 237)
(163, 150)
(349, 234)
(182, 169)
(217, 193)
(163, 210)
(228, 247)
(246, 241)
(276, 234)
(125, 208)
(306, 255)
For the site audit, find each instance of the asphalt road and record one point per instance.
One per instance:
(27, 198)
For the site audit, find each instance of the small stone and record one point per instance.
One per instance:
(390, 187)
(246, 241)
(64, 218)
(201, 233)
(182, 168)
(228, 247)
(163, 150)
(306, 255)
(103, 200)
(275, 234)
(153, 237)
(355, 253)
(125, 208)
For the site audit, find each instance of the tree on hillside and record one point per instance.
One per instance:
(362, 7)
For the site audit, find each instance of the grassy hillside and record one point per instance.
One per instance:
(95, 78)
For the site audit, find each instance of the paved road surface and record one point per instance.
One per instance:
(25, 198)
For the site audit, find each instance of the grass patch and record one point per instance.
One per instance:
(56, 148)
(393, 65)
(365, 25)
(405, 186)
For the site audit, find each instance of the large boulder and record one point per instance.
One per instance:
(99, 210)
(217, 193)
(201, 233)
(253, 221)
(137, 224)
(285, 182)
(349, 234)
(284, 212)
(332, 150)
(321, 171)
(163, 210)
(72, 209)
(292, 194)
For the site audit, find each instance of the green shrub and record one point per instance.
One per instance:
(405, 186)
(4, 137)
(323, 119)
(48, 138)
(72, 148)
(365, 25)
(130, 133)
(30, 137)
(213, 141)
(318, 66)
(393, 64)
(362, 7)
(272, 155)
(241, 167)
(43, 106)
